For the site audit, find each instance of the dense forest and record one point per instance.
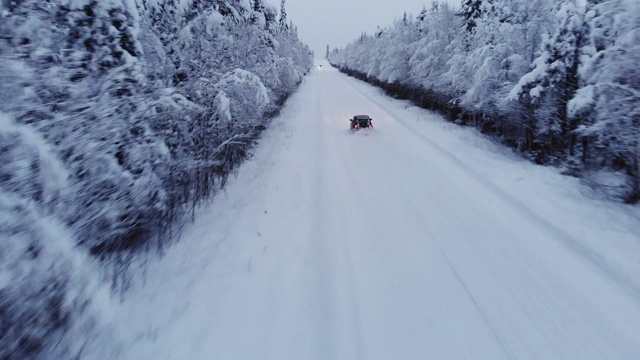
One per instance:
(557, 80)
(118, 118)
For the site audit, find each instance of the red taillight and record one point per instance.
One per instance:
(356, 126)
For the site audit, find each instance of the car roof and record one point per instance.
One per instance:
(361, 116)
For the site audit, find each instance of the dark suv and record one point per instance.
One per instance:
(360, 121)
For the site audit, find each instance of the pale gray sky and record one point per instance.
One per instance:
(338, 22)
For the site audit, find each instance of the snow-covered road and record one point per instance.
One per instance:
(418, 240)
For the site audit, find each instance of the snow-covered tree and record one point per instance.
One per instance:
(608, 103)
(258, 6)
(394, 63)
(471, 12)
(554, 80)
(283, 25)
(44, 291)
(498, 60)
(438, 29)
(118, 118)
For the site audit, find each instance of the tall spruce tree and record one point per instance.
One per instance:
(283, 25)
(471, 12)
(554, 80)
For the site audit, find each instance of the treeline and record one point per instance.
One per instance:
(117, 119)
(558, 80)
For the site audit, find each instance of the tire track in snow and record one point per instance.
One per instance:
(485, 261)
(557, 233)
(339, 287)
(351, 287)
(409, 200)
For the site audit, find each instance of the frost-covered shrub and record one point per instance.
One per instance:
(28, 168)
(42, 285)
(41, 289)
(247, 97)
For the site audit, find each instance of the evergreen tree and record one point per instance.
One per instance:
(554, 81)
(471, 12)
(282, 23)
(608, 102)
(422, 15)
(258, 5)
(118, 118)
(570, 64)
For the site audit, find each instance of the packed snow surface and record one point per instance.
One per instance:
(416, 240)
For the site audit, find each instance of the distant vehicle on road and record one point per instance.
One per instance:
(360, 122)
(320, 66)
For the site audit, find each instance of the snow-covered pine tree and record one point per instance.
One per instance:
(575, 86)
(471, 11)
(499, 58)
(394, 61)
(258, 5)
(608, 103)
(438, 28)
(118, 117)
(283, 25)
(554, 80)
